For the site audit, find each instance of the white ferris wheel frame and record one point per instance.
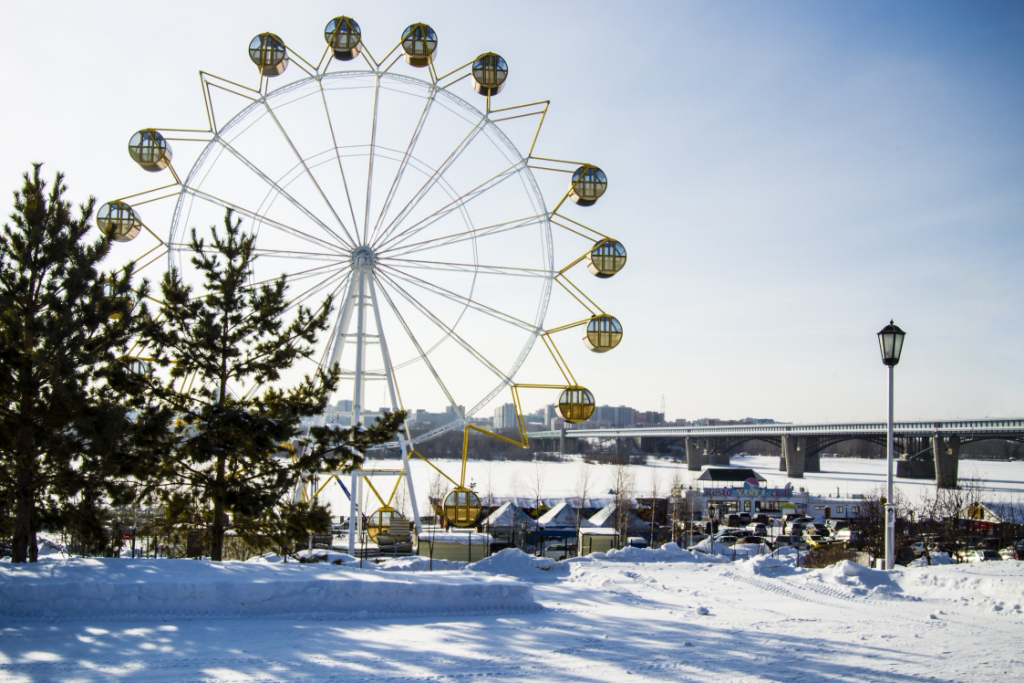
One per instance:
(356, 257)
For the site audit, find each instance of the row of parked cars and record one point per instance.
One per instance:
(801, 532)
(1010, 552)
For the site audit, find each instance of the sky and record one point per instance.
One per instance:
(786, 177)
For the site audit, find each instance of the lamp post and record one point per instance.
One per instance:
(890, 339)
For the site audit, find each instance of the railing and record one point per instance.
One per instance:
(1008, 426)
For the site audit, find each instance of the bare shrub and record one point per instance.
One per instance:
(826, 556)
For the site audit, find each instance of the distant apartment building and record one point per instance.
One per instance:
(422, 419)
(715, 422)
(648, 418)
(505, 417)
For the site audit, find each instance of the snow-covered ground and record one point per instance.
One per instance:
(633, 615)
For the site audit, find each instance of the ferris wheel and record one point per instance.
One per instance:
(376, 186)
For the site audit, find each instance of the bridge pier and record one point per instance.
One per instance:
(717, 457)
(695, 454)
(793, 450)
(918, 468)
(567, 445)
(947, 460)
(812, 462)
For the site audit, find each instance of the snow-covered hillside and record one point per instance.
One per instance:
(634, 615)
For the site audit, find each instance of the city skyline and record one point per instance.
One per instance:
(786, 179)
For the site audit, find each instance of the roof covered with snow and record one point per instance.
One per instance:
(509, 515)
(562, 515)
(739, 474)
(605, 517)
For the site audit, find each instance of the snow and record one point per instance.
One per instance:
(636, 614)
(111, 589)
(458, 537)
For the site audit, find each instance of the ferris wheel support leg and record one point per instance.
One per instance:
(343, 323)
(408, 480)
(352, 517)
(403, 443)
(357, 403)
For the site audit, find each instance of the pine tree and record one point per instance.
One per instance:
(230, 451)
(65, 395)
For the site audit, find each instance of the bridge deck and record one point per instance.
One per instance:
(1008, 427)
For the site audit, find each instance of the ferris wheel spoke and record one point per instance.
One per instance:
(436, 176)
(464, 236)
(419, 347)
(295, 304)
(425, 310)
(318, 288)
(272, 183)
(348, 237)
(373, 146)
(299, 300)
(302, 255)
(343, 284)
(456, 204)
(337, 155)
(396, 273)
(330, 268)
(404, 164)
(253, 215)
(468, 268)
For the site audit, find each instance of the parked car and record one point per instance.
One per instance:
(797, 525)
(755, 540)
(850, 537)
(561, 550)
(837, 524)
(1011, 552)
(636, 542)
(692, 538)
(733, 531)
(727, 540)
(783, 540)
(757, 529)
(815, 529)
(982, 555)
(788, 541)
(817, 540)
(761, 518)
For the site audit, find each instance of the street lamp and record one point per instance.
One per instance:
(890, 339)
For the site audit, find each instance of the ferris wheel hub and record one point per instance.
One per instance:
(363, 258)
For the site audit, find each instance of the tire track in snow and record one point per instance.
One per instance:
(836, 597)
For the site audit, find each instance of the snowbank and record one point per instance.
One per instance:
(737, 551)
(514, 562)
(184, 589)
(853, 575)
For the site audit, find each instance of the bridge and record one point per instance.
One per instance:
(926, 449)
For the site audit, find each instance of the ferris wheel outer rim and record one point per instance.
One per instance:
(189, 187)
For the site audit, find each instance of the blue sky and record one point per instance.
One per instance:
(786, 176)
